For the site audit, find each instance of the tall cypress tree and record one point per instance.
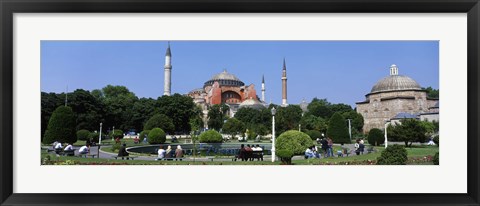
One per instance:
(61, 126)
(337, 129)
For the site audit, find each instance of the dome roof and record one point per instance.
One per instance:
(252, 103)
(224, 76)
(225, 79)
(395, 82)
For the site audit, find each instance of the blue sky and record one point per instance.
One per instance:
(340, 71)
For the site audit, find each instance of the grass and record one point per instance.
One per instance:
(415, 152)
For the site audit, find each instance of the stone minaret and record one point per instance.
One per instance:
(263, 88)
(393, 70)
(168, 72)
(284, 85)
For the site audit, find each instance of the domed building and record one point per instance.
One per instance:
(391, 96)
(225, 88)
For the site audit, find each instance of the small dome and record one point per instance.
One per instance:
(198, 90)
(395, 82)
(225, 79)
(252, 103)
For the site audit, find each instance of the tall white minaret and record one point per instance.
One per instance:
(263, 88)
(168, 72)
(284, 84)
(393, 70)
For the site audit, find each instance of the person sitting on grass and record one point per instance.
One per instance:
(161, 153)
(179, 152)
(123, 151)
(84, 150)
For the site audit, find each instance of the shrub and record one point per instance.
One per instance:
(83, 134)
(117, 134)
(61, 126)
(436, 159)
(160, 121)
(436, 140)
(143, 134)
(285, 156)
(210, 136)
(116, 147)
(156, 136)
(393, 155)
(376, 137)
(293, 141)
(314, 134)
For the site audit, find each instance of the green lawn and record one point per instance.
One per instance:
(415, 152)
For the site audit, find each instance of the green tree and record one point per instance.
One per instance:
(311, 122)
(61, 126)
(432, 93)
(287, 118)
(293, 141)
(338, 129)
(160, 121)
(118, 101)
(88, 110)
(320, 108)
(49, 102)
(408, 131)
(180, 109)
(156, 136)
(143, 110)
(376, 137)
(233, 126)
(216, 116)
(357, 121)
(117, 134)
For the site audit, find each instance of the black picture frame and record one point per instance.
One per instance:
(10, 7)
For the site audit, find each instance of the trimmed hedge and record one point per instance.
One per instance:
(117, 134)
(156, 136)
(83, 134)
(293, 141)
(393, 155)
(61, 126)
(211, 136)
(160, 121)
(285, 156)
(376, 137)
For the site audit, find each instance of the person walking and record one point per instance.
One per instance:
(330, 146)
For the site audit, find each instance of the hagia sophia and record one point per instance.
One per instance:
(392, 98)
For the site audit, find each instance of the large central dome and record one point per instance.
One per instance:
(394, 83)
(225, 79)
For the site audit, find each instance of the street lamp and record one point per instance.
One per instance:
(113, 133)
(386, 125)
(273, 133)
(350, 128)
(100, 135)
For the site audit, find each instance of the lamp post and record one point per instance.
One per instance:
(273, 133)
(350, 129)
(113, 133)
(386, 126)
(100, 134)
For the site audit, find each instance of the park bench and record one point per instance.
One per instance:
(122, 157)
(253, 155)
(170, 158)
(222, 158)
(68, 152)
